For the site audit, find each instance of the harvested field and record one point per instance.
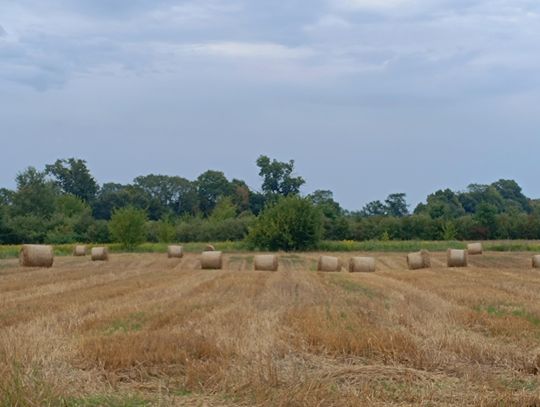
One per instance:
(143, 329)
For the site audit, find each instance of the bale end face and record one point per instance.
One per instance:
(79, 251)
(536, 262)
(475, 249)
(100, 254)
(266, 262)
(36, 256)
(362, 265)
(211, 260)
(456, 258)
(175, 252)
(419, 260)
(329, 264)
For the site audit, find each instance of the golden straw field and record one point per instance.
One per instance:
(145, 330)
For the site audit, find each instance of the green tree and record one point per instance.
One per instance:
(277, 177)
(35, 195)
(114, 196)
(477, 194)
(374, 208)
(335, 224)
(513, 195)
(396, 205)
(292, 223)
(169, 195)
(486, 217)
(443, 204)
(225, 209)
(211, 185)
(73, 177)
(166, 232)
(128, 226)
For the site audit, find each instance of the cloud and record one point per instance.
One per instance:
(2, 31)
(261, 50)
(328, 22)
(372, 4)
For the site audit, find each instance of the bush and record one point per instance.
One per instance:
(128, 226)
(292, 223)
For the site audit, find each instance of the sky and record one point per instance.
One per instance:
(369, 97)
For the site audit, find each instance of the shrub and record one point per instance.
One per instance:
(128, 226)
(292, 223)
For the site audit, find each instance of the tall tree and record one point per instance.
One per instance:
(443, 204)
(114, 196)
(278, 177)
(169, 194)
(35, 195)
(211, 185)
(513, 195)
(396, 205)
(374, 208)
(73, 177)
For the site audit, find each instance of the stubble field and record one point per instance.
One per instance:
(143, 330)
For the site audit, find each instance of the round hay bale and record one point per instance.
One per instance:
(329, 263)
(266, 262)
(536, 262)
(100, 254)
(362, 265)
(419, 260)
(475, 249)
(79, 250)
(175, 252)
(32, 255)
(211, 260)
(209, 248)
(456, 258)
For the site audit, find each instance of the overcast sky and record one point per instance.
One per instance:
(370, 97)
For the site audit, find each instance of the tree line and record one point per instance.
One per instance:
(63, 203)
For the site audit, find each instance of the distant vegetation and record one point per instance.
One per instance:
(63, 204)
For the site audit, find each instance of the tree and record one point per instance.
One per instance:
(128, 226)
(512, 194)
(486, 216)
(35, 195)
(240, 195)
(374, 208)
(277, 177)
(73, 177)
(443, 204)
(477, 194)
(224, 209)
(396, 205)
(335, 224)
(114, 196)
(169, 195)
(292, 223)
(211, 185)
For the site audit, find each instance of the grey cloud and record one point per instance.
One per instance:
(267, 76)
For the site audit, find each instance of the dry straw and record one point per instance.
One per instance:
(175, 252)
(100, 254)
(79, 251)
(362, 265)
(329, 263)
(211, 260)
(36, 256)
(475, 248)
(419, 260)
(266, 262)
(209, 248)
(456, 258)
(536, 261)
